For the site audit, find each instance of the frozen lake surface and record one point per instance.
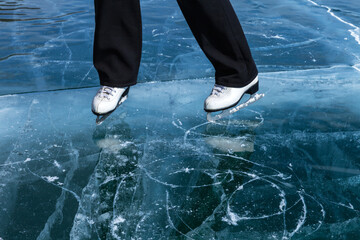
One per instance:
(286, 167)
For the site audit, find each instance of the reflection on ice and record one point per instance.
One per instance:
(225, 144)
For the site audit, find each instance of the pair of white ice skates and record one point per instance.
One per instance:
(221, 98)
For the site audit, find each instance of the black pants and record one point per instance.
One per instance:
(118, 41)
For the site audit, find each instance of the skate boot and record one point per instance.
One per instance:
(106, 100)
(226, 98)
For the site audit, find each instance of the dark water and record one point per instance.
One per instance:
(286, 167)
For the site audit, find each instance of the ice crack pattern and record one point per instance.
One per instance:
(231, 180)
(355, 33)
(286, 167)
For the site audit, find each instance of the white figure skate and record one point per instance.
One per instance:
(106, 100)
(225, 99)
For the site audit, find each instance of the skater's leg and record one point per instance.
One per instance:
(117, 52)
(218, 31)
(117, 41)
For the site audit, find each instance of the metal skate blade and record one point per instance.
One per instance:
(253, 98)
(101, 118)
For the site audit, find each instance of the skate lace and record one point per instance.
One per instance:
(217, 90)
(106, 92)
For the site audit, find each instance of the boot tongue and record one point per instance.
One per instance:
(218, 89)
(107, 92)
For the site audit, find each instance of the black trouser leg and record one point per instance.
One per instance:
(117, 42)
(218, 31)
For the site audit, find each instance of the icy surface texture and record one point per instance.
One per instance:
(47, 44)
(286, 167)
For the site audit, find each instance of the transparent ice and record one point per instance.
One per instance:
(286, 167)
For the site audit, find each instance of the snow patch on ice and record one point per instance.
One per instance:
(275, 36)
(282, 205)
(50, 178)
(118, 220)
(231, 218)
(57, 164)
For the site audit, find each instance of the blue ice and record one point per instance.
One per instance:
(286, 167)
